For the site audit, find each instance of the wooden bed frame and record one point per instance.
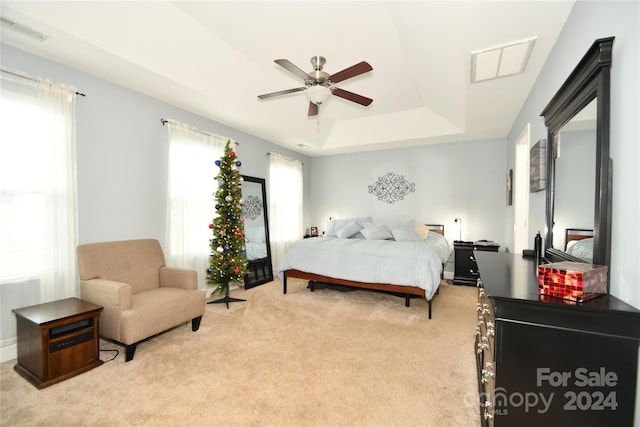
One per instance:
(407, 292)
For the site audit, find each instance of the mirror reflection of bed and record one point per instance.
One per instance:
(579, 243)
(256, 232)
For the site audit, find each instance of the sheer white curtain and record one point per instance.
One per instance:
(285, 205)
(190, 196)
(38, 207)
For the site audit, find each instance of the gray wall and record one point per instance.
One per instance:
(465, 180)
(588, 21)
(123, 152)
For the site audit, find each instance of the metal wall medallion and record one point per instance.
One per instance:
(252, 207)
(391, 188)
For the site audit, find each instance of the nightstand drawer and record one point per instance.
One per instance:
(466, 269)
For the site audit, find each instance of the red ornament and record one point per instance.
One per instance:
(239, 233)
(211, 226)
(232, 154)
(236, 270)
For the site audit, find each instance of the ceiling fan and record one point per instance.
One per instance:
(319, 85)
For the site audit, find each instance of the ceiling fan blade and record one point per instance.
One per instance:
(281, 92)
(289, 66)
(362, 100)
(347, 73)
(313, 109)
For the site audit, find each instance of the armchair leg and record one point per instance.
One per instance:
(195, 323)
(129, 350)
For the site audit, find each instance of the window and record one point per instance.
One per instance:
(38, 209)
(190, 196)
(38, 229)
(285, 205)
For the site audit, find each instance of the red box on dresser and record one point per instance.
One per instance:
(575, 281)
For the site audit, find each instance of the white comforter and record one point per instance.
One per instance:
(417, 263)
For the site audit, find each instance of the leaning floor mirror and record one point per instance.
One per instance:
(256, 232)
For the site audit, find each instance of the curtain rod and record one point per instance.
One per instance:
(285, 157)
(32, 79)
(165, 121)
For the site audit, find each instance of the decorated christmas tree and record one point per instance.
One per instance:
(228, 259)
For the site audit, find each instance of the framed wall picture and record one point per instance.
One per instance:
(538, 166)
(510, 187)
(314, 231)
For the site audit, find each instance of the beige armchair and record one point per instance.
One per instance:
(141, 296)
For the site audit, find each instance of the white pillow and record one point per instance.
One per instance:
(405, 234)
(349, 230)
(333, 225)
(376, 232)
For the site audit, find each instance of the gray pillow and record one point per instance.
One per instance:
(349, 230)
(376, 232)
(333, 225)
(405, 234)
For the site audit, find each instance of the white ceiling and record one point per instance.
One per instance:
(214, 57)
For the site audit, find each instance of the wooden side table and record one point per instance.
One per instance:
(57, 340)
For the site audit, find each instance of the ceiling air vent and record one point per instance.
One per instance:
(501, 61)
(23, 29)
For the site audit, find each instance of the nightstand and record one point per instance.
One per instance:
(466, 269)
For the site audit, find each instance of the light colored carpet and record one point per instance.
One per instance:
(322, 358)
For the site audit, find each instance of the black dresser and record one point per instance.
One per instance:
(465, 269)
(544, 361)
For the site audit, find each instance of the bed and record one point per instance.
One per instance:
(579, 243)
(256, 251)
(403, 262)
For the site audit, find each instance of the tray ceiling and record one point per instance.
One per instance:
(214, 58)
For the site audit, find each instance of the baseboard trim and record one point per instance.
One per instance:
(9, 352)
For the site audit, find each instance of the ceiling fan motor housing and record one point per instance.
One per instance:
(317, 76)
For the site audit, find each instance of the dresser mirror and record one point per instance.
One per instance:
(256, 232)
(578, 194)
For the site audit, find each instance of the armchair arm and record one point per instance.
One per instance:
(115, 297)
(178, 278)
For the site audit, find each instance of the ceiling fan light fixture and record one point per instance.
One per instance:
(318, 94)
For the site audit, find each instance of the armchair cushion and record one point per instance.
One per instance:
(141, 296)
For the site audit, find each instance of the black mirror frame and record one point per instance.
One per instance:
(590, 79)
(269, 275)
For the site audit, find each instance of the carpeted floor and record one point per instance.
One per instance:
(322, 358)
